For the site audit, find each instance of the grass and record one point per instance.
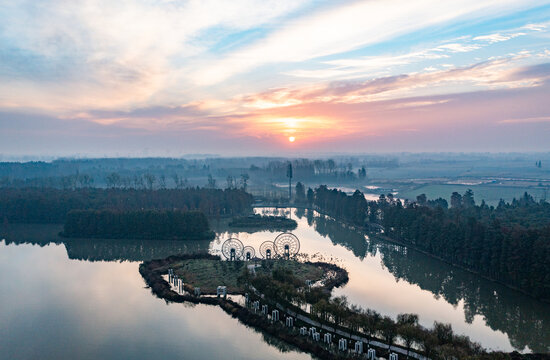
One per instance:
(208, 274)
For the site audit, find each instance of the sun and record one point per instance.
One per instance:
(291, 138)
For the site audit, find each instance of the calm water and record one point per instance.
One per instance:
(86, 299)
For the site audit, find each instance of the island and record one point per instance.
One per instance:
(292, 301)
(269, 222)
(267, 282)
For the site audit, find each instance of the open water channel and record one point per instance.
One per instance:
(80, 298)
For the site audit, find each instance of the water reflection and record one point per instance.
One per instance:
(57, 308)
(131, 250)
(385, 277)
(525, 320)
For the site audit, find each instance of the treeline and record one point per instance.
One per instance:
(140, 224)
(32, 205)
(440, 342)
(338, 204)
(316, 169)
(525, 321)
(265, 221)
(509, 243)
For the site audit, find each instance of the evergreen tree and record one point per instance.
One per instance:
(300, 193)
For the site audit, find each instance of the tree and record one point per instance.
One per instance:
(370, 320)
(407, 319)
(389, 330)
(85, 180)
(429, 343)
(443, 332)
(409, 333)
(211, 182)
(150, 180)
(421, 199)
(310, 197)
(162, 182)
(339, 306)
(468, 199)
(300, 193)
(331, 165)
(230, 182)
(244, 180)
(176, 179)
(456, 200)
(113, 180)
(138, 182)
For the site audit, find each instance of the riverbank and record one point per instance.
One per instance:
(368, 230)
(267, 222)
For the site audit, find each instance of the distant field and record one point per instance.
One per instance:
(490, 193)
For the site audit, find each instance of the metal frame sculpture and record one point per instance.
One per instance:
(267, 249)
(286, 245)
(248, 253)
(232, 249)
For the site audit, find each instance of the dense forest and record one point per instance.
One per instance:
(32, 205)
(140, 224)
(509, 243)
(340, 205)
(524, 321)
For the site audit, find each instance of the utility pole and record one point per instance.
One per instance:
(289, 174)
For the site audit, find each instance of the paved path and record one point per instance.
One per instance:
(348, 335)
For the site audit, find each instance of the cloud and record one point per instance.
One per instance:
(536, 27)
(358, 66)
(458, 48)
(497, 37)
(346, 68)
(347, 28)
(488, 75)
(307, 68)
(69, 54)
(538, 119)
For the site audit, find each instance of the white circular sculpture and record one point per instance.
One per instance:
(232, 249)
(267, 249)
(248, 253)
(287, 245)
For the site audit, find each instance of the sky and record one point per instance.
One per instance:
(272, 77)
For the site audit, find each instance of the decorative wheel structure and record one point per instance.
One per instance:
(267, 249)
(232, 249)
(287, 245)
(248, 253)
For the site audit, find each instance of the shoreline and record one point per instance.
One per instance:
(388, 239)
(163, 290)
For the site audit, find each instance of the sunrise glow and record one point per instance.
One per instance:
(217, 136)
(352, 76)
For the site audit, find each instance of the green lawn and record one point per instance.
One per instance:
(209, 274)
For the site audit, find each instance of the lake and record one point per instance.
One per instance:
(67, 298)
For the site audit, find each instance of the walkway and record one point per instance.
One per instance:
(348, 335)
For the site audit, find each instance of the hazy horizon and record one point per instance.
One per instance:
(297, 155)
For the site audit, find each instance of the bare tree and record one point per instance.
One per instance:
(150, 180)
